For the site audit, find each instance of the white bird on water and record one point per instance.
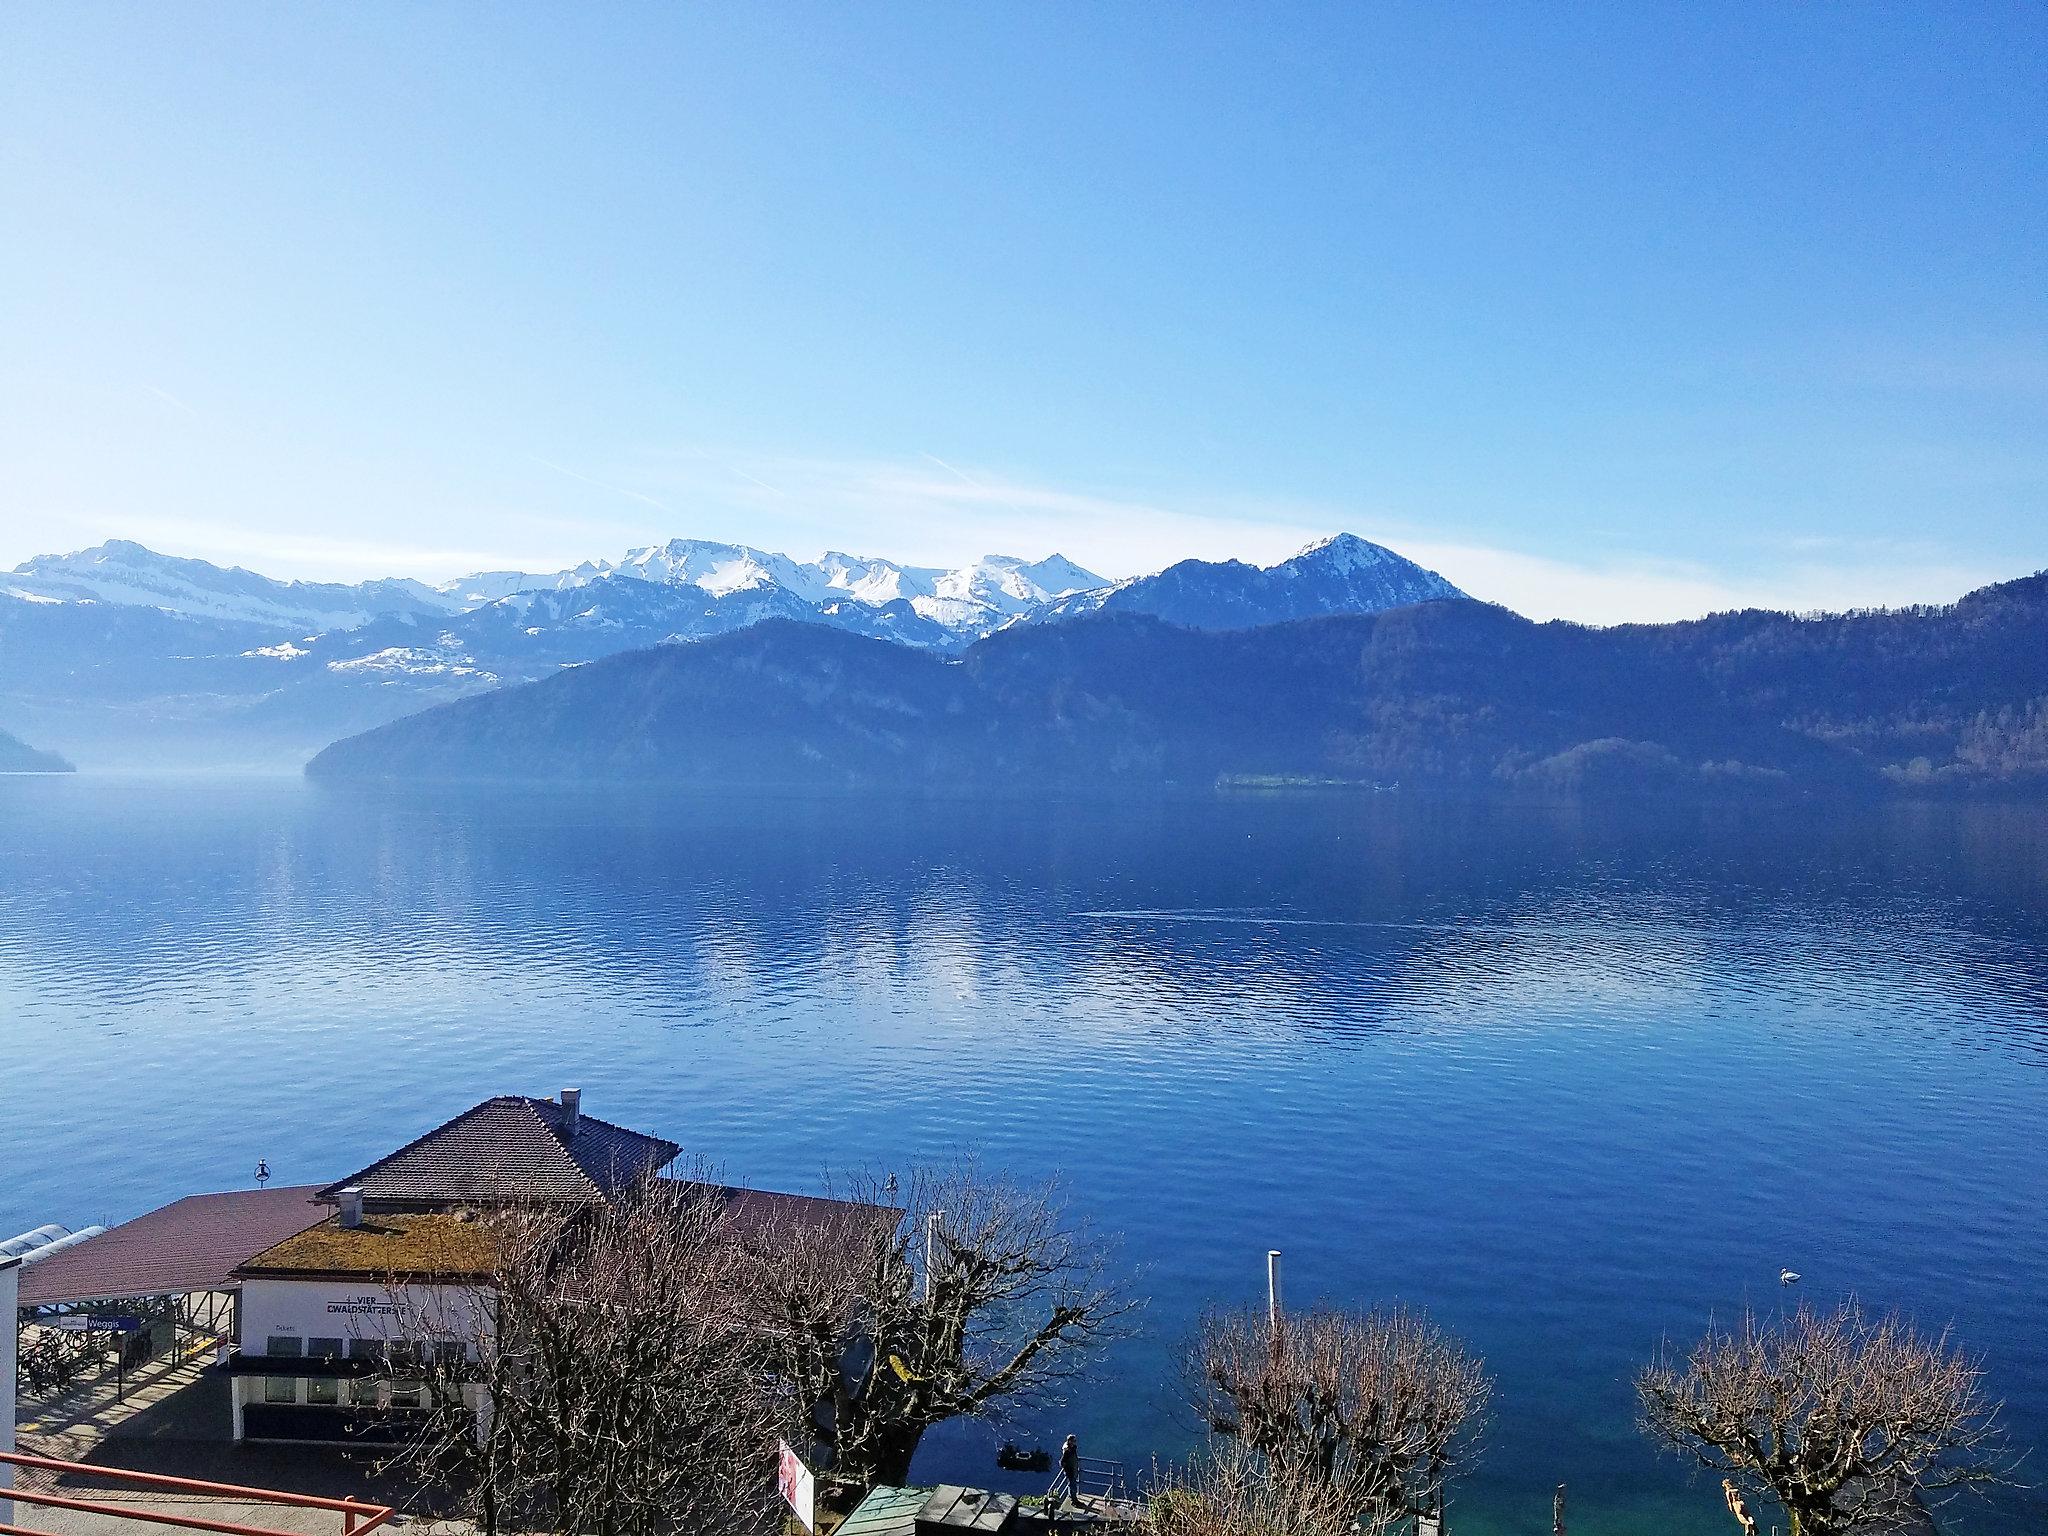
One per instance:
(1788, 1277)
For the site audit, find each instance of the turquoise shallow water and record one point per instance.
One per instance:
(1571, 1081)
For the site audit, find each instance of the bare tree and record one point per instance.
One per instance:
(879, 1329)
(620, 1372)
(1382, 1406)
(1849, 1424)
(1237, 1492)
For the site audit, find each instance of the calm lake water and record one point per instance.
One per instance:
(1571, 1081)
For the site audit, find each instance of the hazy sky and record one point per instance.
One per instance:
(1603, 310)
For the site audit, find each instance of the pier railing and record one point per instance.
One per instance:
(1097, 1479)
(358, 1517)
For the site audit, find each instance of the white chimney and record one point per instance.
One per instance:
(351, 1207)
(572, 1110)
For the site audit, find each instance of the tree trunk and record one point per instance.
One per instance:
(895, 1446)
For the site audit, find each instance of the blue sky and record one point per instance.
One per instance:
(1605, 310)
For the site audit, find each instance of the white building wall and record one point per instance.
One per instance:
(355, 1309)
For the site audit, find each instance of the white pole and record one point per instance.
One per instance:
(1273, 1289)
(10, 1296)
(931, 1252)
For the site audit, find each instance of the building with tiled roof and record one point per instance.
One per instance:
(188, 1247)
(511, 1150)
(400, 1269)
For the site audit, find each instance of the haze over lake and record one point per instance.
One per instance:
(1571, 1079)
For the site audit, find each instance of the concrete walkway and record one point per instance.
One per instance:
(67, 1426)
(176, 1420)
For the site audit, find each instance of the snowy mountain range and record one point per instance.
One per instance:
(120, 645)
(968, 601)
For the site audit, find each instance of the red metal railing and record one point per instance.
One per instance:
(357, 1515)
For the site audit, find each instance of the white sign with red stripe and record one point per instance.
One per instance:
(799, 1488)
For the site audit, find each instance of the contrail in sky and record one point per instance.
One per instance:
(616, 490)
(953, 469)
(170, 399)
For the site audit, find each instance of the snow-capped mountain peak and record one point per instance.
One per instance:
(1010, 585)
(964, 602)
(1337, 575)
(867, 579)
(1346, 552)
(719, 569)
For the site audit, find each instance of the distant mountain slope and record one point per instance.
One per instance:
(1450, 692)
(1343, 574)
(17, 756)
(125, 573)
(136, 686)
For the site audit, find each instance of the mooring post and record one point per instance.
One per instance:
(1557, 1512)
(1273, 1290)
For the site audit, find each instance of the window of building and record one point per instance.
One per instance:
(406, 1353)
(322, 1391)
(449, 1353)
(405, 1394)
(282, 1346)
(363, 1391)
(366, 1349)
(281, 1389)
(325, 1349)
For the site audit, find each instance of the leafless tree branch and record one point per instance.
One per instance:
(1849, 1423)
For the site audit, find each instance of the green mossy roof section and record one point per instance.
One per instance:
(443, 1244)
(511, 1150)
(886, 1512)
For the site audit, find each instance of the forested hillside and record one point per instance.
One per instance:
(1450, 693)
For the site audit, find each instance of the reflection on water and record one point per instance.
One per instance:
(1570, 1081)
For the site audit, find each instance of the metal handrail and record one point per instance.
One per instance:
(1099, 1479)
(357, 1516)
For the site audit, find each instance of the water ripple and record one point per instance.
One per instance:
(1571, 1081)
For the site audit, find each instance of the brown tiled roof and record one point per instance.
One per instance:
(193, 1244)
(764, 1210)
(444, 1244)
(507, 1151)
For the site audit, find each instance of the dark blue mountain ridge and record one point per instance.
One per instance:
(1451, 693)
(1340, 574)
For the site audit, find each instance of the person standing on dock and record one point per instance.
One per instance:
(1070, 1467)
